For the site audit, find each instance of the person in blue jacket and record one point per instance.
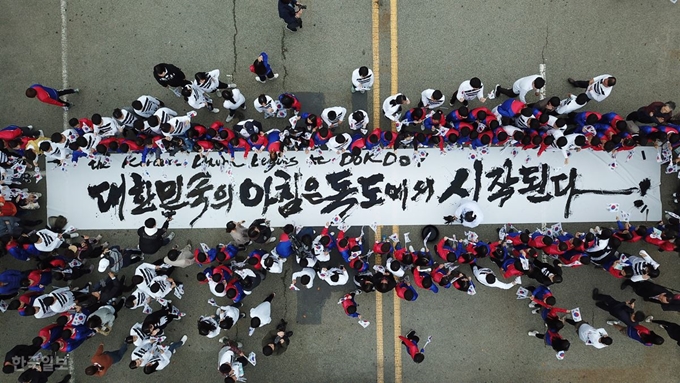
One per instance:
(10, 283)
(290, 11)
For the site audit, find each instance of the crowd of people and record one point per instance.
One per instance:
(149, 127)
(231, 272)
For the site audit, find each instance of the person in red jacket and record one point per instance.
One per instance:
(410, 341)
(50, 95)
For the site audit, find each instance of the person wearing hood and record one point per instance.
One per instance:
(151, 238)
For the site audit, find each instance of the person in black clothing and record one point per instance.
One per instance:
(157, 321)
(19, 356)
(545, 273)
(151, 238)
(673, 329)
(651, 292)
(169, 76)
(290, 11)
(37, 375)
(276, 342)
(260, 232)
(622, 311)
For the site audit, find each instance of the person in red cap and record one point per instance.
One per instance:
(410, 341)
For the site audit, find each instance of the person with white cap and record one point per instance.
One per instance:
(114, 259)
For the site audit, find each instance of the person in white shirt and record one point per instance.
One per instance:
(521, 87)
(574, 142)
(339, 143)
(46, 240)
(333, 116)
(161, 116)
(272, 263)
(228, 316)
(233, 99)
(177, 126)
(362, 79)
(137, 336)
(124, 117)
(102, 319)
(468, 213)
(195, 97)
(161, 356)
(161, 286)
(209, 82)
(208, 326)
(270, 107)
(87, 143)
(468, 90)
(359, 121)
(306, 276)
(261, 315)
(392, 106)
(231, 360)
(142, 353)
(145, 106)
(105, 126)
(54, 151)
(597, 88)
(62, 300)
(591, 336)
(644, 267)
(487, 277)
(431, 99)
(335, 276)
(41, 306)
(138, 298)
(572, 103)
(395, 267)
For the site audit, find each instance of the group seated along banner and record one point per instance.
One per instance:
(386, 187)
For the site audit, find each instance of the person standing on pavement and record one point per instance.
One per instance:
(431, 99)
(591, 336)
(622, 311)
(410, 341)
(655, 113)
(151, 238)
(260, 232)
(291, 11)
(161, 357)
(231, 360)
(261, 315)
(170, 76)
(597, 88)
(521, 87)
(468, 91)
(276, 342)
(673, 329)
(103, 360)
(50, 95)
(262, 69)
(197, 99)
(180, 258)
(362, 79)
(239, 233)
(233, 100)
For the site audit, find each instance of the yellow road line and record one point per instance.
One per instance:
(375, 20)
(379, 341)
(397, 330)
